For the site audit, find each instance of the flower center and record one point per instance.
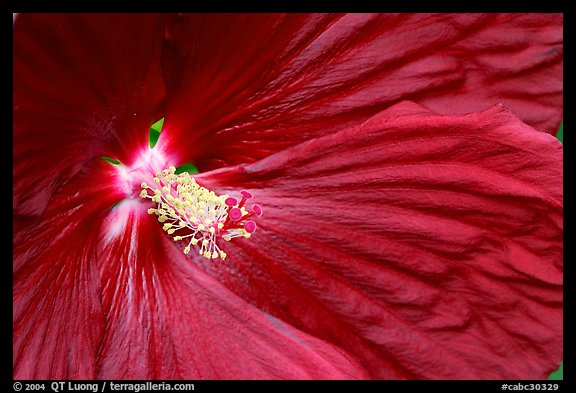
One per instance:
(193, 213)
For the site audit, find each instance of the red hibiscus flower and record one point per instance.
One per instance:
(412, 222)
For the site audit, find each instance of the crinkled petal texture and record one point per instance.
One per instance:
(245, 86)
(84, 86)
(58, 321)
(167, 319)
(103, 293)
(426, 246)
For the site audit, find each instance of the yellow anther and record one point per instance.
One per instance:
(201, 227)
(205, 242)
(167, 226)
(176, 238)
(152, 211)
(222, 254)
(171, 231)
(182, 223)
(143, 185)
(143, 194)
(156, 180)
(186, 249)
(220, 225)
(212, 230)
(172, 169)
(194, 241)
(207, 254)
(215, 255)
(165, 190)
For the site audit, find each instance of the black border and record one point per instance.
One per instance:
(569, 199)
(6, 273)
(357, 6)
(284, 6)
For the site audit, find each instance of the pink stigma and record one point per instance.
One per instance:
(250, 226)
(231, 201)
(245, 195)
(257, 209)
(235, 214)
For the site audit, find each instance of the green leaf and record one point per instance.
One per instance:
(558, 374)
(560, 133)
(155, 131)
(190, 168)
(112, 160)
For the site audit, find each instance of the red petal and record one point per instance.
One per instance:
(128, 304)
(426, 246)
(168, 320)
(84, 86)
(245, 86)
(57, 317)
